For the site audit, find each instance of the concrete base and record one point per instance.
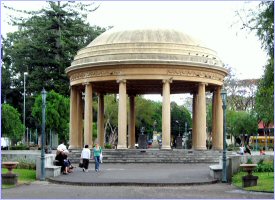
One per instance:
(142, 142)
(155, 144)
(250, 180)
(10, 179)
(216, 172)
(50, 169)
(179, 142)
(53, 171)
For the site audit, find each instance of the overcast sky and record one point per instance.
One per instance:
(209, 21)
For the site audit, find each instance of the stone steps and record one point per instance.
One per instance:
(153, 156)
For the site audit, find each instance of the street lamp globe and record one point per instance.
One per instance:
(43, 95)
(224, 95)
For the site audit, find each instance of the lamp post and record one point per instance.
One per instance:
(154, 125)
(24, 109)
(44, 94)
(256, 141)
(185, 132)
(223, 94)
(179, 126)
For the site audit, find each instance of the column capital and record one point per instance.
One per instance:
(170, 80)
(132, 95)
(219, 87)
(86, 83)
(101, 93)
(203, 83)
(121, 81)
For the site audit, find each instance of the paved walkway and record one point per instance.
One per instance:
(139, 174)
(134, 181)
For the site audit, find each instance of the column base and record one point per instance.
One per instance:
(200, 148)
(165, 147)
(71, 147)
(121, 147)
(217, 148)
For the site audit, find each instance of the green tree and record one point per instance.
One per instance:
(44, 45)
(57, 113)
(179, 115)
(110, 117)
(209, 118)
(261, 22)
(12, 126)
(144, 114)
(265, 96)
(241, 123)
(241, 93)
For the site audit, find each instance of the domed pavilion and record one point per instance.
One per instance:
(144, 61)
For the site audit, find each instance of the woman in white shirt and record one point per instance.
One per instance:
(85, 155)
(242, 149)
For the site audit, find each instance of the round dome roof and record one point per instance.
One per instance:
(145, 46)
(143, 36)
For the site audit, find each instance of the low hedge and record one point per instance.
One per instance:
(265, 166)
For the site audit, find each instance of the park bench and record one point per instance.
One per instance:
(51, 167)
(216, 172)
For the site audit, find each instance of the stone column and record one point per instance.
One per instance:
(201, 118)
(88, 115)
(122, 115)
(166, 115)
(132, 123)
(194, 121)
(217, 134)
(214, 101)
(100, 120)
(73, 122)
(79, 114)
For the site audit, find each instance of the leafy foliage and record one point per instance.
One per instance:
(179, 115)
(146, 114)
(110, 117)
(239, 123)
(262, 23)
(44, 45)
(12, 126)
(265, 181)
(265, 166)
(249, 161)
(241, 93)
(57, 113)
(265, 96)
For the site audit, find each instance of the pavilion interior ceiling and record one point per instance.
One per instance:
(137, 87)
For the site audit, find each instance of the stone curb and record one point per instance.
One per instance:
(51, 180)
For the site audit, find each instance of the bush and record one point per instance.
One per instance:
(23, 163)
(265, 166)
(189, 144)
(108, 146)
(249, 161)
(230, 147)
(19, 147)
(208, 144)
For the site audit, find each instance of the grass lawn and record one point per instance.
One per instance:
(265, 181)
(25, 176)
